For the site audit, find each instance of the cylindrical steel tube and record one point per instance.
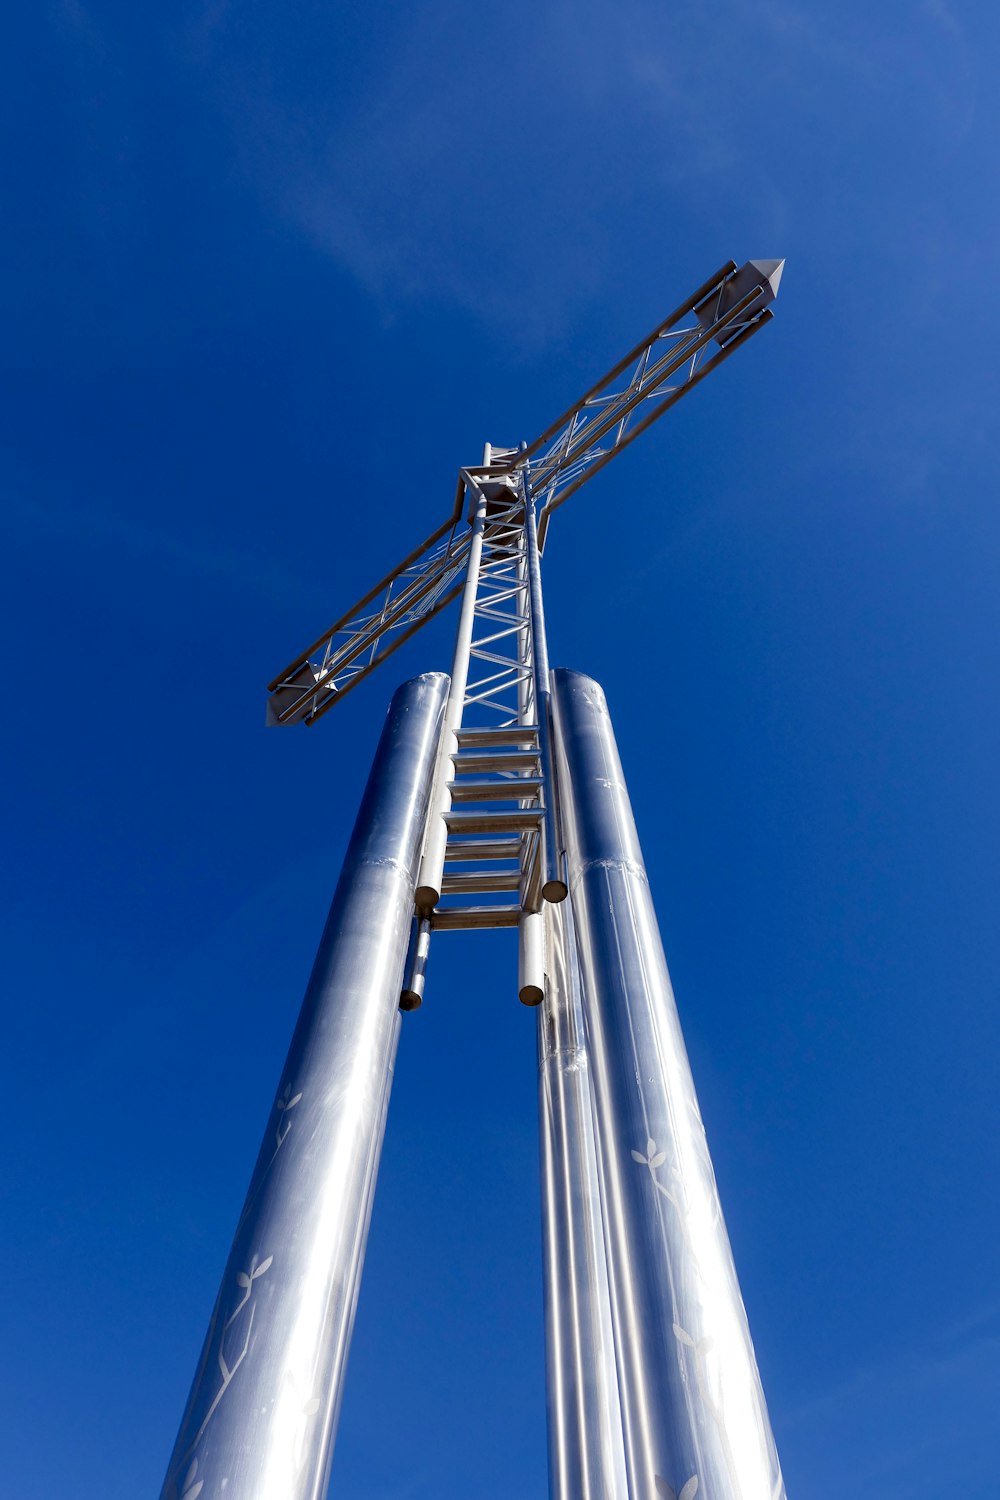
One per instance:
(586, 1453)
(415, 969)
(692, 1404)
(531, 958)
(263, 1408)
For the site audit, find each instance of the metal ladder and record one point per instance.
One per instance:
(489, 810)
(496, 847)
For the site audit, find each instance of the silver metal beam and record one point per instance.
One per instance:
(553, 884)
(262, 1413)
(693, 1410)
(586, 1451)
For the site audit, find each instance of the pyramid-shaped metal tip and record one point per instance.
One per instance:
(771, 271)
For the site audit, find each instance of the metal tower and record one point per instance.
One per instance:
(497, 799)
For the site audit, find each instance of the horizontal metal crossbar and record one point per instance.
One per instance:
(466, 850)
(489, 820)
(502, 761)
(507, 734)
(479, 882)
(460, 918)
(495, 791)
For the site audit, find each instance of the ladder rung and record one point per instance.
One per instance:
(495, 820)
(455, 918)
(495, 791)
(509, 734)
(502, 760)
(484, 849)
(479, 882)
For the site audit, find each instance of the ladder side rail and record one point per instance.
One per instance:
(553, 885)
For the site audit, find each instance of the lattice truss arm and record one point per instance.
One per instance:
(722, 314)
(416, 590)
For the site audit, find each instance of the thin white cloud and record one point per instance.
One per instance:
(910, 1427)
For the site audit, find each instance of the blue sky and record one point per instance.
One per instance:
(269, 275)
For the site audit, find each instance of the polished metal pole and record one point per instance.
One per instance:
(586, 1452)
(262, 1413)
(694, 1415)
(553, 884)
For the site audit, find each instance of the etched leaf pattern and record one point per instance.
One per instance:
(232, 1353)
(688, 1490)
(285, 1103)
(653, 1158)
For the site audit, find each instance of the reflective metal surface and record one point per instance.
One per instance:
(586, 1453)
(693, 1411)
(553, 885)
(531, 958)
(411, 996)
(263, 1408)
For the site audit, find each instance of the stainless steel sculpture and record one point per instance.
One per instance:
(501, 780)
(692, 1405)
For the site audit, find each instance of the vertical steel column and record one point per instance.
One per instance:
(262, 1413)
(553, 885)
(586, 1451)
(531, 927)
(693, 1410)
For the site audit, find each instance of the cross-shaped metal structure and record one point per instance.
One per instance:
(497, 799)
